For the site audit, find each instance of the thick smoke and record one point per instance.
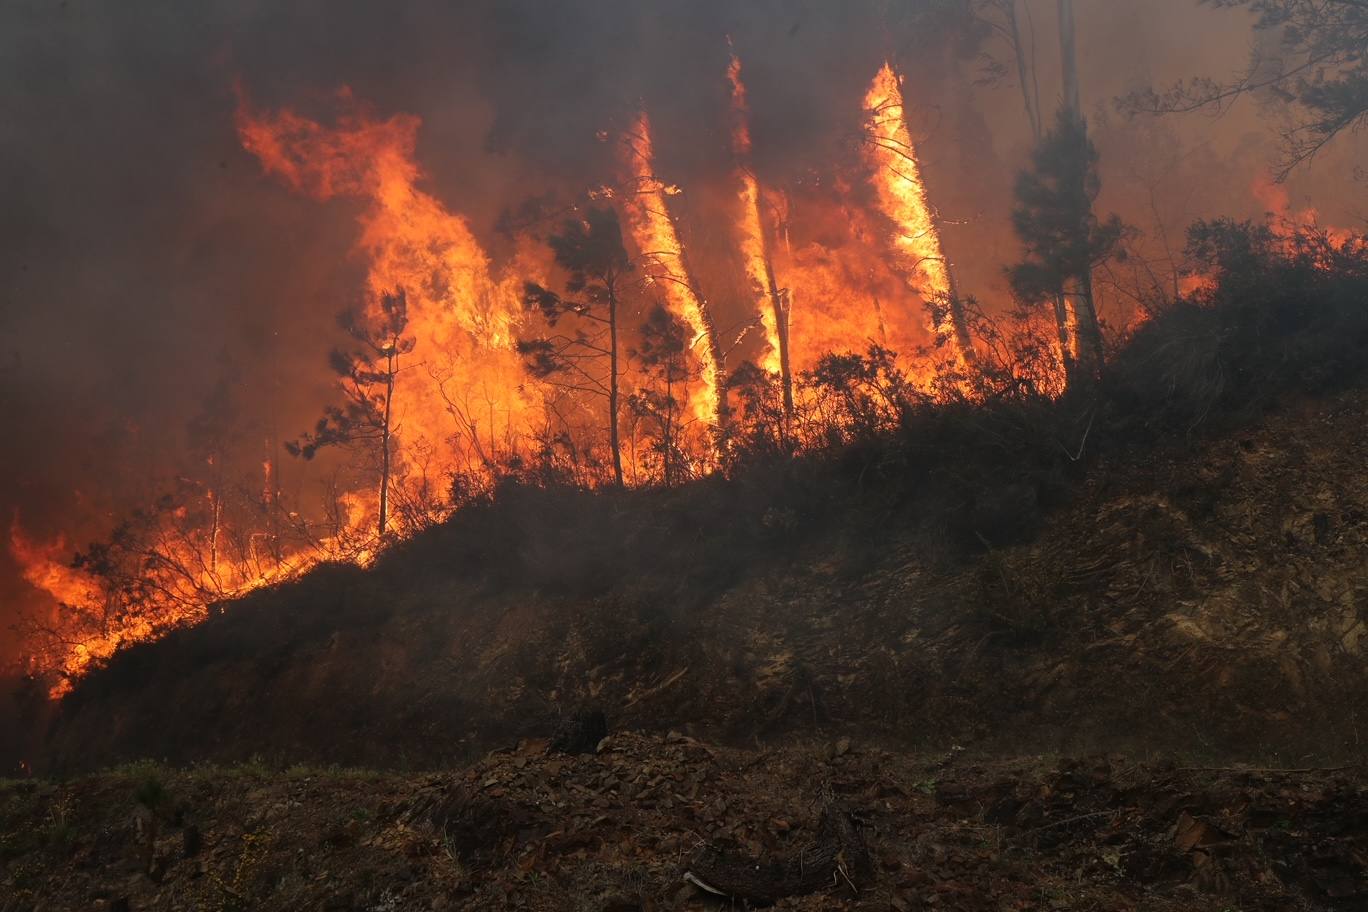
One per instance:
(149, 265)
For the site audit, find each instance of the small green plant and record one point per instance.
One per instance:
(60, 832)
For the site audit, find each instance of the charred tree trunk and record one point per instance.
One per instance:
(781, 319)
(1066, 349)
(719, 360)
(1030, 97)
(215, 519)
(780, 304)
(1089, 327)
(1089, 361)
(1069, 63)
(614, 432)
(959, 322)
(391, 368)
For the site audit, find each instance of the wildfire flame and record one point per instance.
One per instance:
(461, 398)
(1283, 221)
(753, 237)
(178, 570)
(463, 319)
(902, 196)
(653, 233)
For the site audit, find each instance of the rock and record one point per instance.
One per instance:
(842, 747)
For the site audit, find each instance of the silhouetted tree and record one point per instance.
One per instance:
(368, 373)
(1002, 20)
(1061, 237)
(859, 396)
(590, 249)
(1321, 69)
(762, 429)
(663, 354)
(210, 436)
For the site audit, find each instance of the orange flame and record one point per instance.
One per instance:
(463, 320)
(462, 396)
(1282, 220)
(754, 249)
(902, 194)
(1286, 221)
(653, 232)
(179, 570)
(42, 568)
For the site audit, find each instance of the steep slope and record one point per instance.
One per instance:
(1202, 598)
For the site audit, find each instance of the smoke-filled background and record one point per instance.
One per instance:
(155, 281)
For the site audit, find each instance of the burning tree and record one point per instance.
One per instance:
(664, 265)
(590, 249)
(902, 197)
(771, 303)
(367, 378)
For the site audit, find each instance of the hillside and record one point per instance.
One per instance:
(1200, 598)
(1098, 651)
(1169, 560)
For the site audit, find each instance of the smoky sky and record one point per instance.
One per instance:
(145, 261)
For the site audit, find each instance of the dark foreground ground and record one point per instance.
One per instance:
(618, 829)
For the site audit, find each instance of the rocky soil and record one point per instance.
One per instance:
(617, 830)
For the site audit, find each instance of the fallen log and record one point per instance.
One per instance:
(838, 859)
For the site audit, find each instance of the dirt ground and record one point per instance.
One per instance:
(617, 830)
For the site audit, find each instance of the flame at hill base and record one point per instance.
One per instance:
(463, 398)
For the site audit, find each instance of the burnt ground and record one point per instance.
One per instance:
(617, 830)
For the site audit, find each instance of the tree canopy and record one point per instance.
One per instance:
(1319, 68)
